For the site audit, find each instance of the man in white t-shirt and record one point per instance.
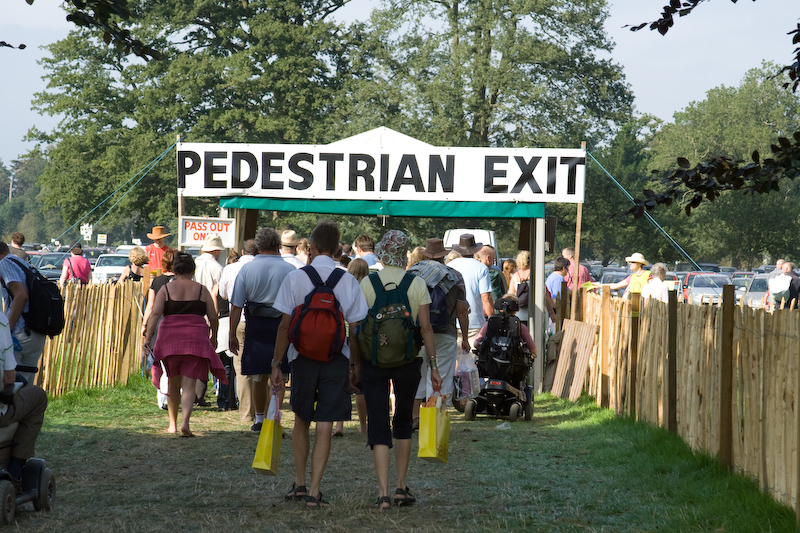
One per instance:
(656, 288)
(477, 282)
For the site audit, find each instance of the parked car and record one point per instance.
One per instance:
(706, 288)
(109, 267)
(672, 281)
(613, 275)
(452, 236)
(740, 284)
(50, 264)
(708, 267)
(728, 271)
(742, 274)
(757, 294)
(91, 254)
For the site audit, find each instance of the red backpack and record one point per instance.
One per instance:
(317, 326)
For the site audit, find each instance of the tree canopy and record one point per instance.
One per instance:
(501, 74)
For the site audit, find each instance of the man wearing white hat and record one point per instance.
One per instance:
(289, 244)
(638, 277)
(207, 273)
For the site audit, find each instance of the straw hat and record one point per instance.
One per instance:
(434, 249)
(158, 233)
(289, 238)
(466, 245)
(637, 258)
(213, 242)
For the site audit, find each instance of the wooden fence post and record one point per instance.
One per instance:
(726, 378)
(633, 355)
(562, 308)
(672, 363)
(605, 348)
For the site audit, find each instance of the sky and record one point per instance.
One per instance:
(713, 46)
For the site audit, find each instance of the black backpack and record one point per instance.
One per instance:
(45, 304)
(440, 317)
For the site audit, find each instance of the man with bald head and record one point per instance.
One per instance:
(488, 256)
(794, 288)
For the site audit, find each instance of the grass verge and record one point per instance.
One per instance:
(574, 468)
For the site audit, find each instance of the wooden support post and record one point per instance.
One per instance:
(633, 353)
(726, 378)
(672, 363)
(562, 308)
(536, 310)
(605, 348)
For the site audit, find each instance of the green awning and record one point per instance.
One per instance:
(407, 208)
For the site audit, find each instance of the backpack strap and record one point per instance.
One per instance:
(334, 278)
(313, 275)
(408, 279)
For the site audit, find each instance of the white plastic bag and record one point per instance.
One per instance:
(466, 383)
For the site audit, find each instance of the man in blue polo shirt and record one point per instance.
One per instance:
(28, 344)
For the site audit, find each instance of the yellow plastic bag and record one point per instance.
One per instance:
(434, 430)
(268, 449)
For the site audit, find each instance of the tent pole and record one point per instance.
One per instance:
(537, 317)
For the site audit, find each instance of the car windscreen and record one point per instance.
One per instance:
(710, 281)
(613, 277)
(758, 285)
(112, 261)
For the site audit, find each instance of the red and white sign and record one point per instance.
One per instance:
(195, 230)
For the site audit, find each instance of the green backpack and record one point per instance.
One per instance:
(386, 336)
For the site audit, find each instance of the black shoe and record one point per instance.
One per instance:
(201, 402)
(256, 427)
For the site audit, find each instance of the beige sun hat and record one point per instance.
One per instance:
(637, 258)
(213, 242)
(289, 238)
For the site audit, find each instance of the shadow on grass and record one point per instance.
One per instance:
(573, 468)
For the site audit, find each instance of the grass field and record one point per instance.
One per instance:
(574, 468)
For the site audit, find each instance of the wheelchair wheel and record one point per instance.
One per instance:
(469, 410)
(47, 492)
(513, 412)
(8, 502)
(529, 410)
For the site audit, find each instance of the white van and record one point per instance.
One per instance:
(452, 236)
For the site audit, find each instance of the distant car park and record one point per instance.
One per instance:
(612, 275)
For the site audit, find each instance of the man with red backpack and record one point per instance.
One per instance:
(316, 302)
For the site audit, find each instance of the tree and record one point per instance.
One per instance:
(735, 121)
(483, 73)
(704, 182)
(265, 72)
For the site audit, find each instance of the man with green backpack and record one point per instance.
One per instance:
(390, 354)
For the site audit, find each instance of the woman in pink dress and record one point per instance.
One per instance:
(185, 342)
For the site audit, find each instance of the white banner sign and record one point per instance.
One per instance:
(101, 238)
(195, 230)
(381, 165)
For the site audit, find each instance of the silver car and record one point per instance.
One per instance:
(757, 294)
(707, 288)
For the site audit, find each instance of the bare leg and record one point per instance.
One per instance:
(173, 401)
(339, 428)
(402, 456)
(187, 403)
(417, 405)
(319, 456)
(300, 446)
(260, 396)
(381, 454)
(361, 409)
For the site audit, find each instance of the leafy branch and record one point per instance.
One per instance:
(705, 181)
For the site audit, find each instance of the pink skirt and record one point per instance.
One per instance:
(184, 346)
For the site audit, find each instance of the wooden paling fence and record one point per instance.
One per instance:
(735, 383)
(101, 343)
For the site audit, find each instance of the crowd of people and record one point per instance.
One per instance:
(240, 324)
